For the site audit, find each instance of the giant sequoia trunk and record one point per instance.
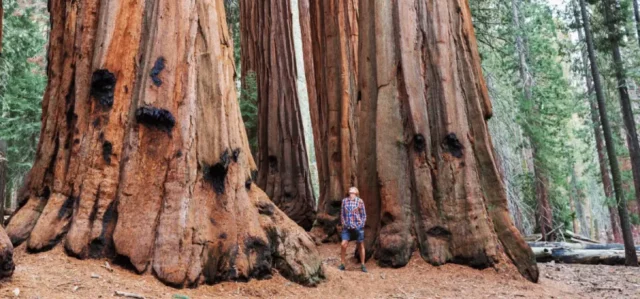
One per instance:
(424, 104)
(268, 51)
(143, 155)
(333, 41)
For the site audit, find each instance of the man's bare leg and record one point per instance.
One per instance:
(361, 245)
(343, 251)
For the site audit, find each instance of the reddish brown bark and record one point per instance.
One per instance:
(543, 212)
(143, 155)
(333, 40)
(267, 50)
(433, 180)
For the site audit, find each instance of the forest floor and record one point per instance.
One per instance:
(55, 275)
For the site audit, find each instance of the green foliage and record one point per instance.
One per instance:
(22, 82)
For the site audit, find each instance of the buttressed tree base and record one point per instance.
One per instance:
(422, 118)
(143, 156)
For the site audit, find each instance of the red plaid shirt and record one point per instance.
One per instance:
(353, 213)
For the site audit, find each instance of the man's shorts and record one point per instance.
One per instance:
(351, 234)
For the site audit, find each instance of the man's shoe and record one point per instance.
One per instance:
(341, 267)
(364, 269)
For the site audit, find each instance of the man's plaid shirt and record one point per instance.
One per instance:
(353, 213)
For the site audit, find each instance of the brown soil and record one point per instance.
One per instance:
(55, 275)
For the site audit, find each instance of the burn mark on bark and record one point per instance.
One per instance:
(179, 154)
(67, 208)
(96, 122)
(155, 71)
(103, 83)
(107, 151)
(265, 208)
(452, 145)
(419, 143)
(235, 155)
(158, 118)
(222, 236)
(333, 207)
(247, 184)
(262, 267)
(273, 163)
(217, 173)
(480, 260)
(46, 192)
(439, 232)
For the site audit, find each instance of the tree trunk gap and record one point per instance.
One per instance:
(614, 36)
(333, 41)
(268, 51)
(544, 215)
(435, 181)
(597, 129)
(143, 156)
(630, 252)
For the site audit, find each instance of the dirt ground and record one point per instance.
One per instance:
(55, 275)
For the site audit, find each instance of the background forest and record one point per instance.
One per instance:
(545, 124)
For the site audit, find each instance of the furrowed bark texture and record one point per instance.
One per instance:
(143, 156)
(267, 50)
(424, 104)
(334, 40)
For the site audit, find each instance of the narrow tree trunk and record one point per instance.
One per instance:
(544, 212)
(268, 51)
(602, 159)
(333, 40)
(424, 103)
(143, 155)
(614, 37)
(630, 253)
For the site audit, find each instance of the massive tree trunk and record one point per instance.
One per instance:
(614, 36)
(333, 42)
(630, 252)
(268, 51)
(143, 155)
(593, 106)
(424, 104)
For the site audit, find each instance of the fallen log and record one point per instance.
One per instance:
(609, 246)
(575, 236)
(542, 254)
(587, 256)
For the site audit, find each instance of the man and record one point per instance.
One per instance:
(353, 217)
